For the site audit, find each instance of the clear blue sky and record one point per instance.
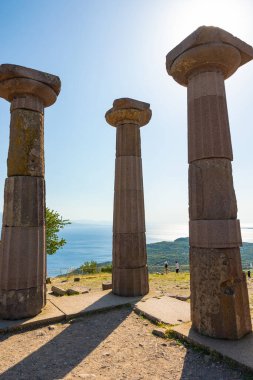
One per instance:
(106, 49)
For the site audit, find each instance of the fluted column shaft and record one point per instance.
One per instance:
(23, 253)
(129, 240)
(219, 297)
(130, 276)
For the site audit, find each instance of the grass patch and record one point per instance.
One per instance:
(93, 282)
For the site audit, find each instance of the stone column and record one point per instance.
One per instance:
(22, 254)
(219, 297)
(130, 275)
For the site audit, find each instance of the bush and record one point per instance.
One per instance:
(107, 269)
(89, 267)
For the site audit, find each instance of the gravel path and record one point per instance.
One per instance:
(113, 345)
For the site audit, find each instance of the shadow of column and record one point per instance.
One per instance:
(66, 350)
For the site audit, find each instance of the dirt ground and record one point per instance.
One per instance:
(111, 345)
(115, 345)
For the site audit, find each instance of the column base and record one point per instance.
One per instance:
(130, 282)
(219, 295)
(23, 303)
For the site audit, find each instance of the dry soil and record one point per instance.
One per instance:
(113, 345)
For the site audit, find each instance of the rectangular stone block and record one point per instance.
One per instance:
(24, 202)
(128, 140)
(208, 128)
(128, 173)
(129, 250)
(23, 258)
(215, 233)
(106, 285)
(23, 303)
(219, 296)
(211, 190)
(129, 215)
(130, 282)
(26, 149)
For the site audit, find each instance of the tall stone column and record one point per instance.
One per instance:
(130, 275)
(22, 254)
(219, 297)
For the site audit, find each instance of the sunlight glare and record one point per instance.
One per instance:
(232, 15)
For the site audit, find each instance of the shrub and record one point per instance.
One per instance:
(89, 267)
(107, 269)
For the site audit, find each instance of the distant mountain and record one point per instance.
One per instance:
(178, 250)
(171, 251)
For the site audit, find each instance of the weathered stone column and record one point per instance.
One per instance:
(22, 254)
(130, 275)
(219, 297)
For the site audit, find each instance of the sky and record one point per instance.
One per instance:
(107, 49)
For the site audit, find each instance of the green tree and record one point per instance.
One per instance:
(54, 223)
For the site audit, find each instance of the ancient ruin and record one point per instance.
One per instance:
(219, 297)
(22, 255)
(130, 275)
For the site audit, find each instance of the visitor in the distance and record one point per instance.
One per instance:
(166, 267)
(177, 267)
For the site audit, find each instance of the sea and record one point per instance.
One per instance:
(93, 242)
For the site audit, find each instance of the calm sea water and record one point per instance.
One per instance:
(86, 242)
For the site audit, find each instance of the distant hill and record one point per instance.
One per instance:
(171, 251)
(178, 250)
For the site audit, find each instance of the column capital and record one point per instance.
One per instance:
(28, 88)
(128, 111)
(207, 49)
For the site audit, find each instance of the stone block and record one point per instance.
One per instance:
(77, 290)
(128, 103)
(211, 191)
(22, 259)
(129, 215)
(128, 140)
(129, 250)
(26, 149)
(23, 303)
(24, 202)
(130, 282)
(219, 297)
(208, 128)
(128, 173)
(58, 291)
(159, 332)
(215, 233)
(106, 285)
